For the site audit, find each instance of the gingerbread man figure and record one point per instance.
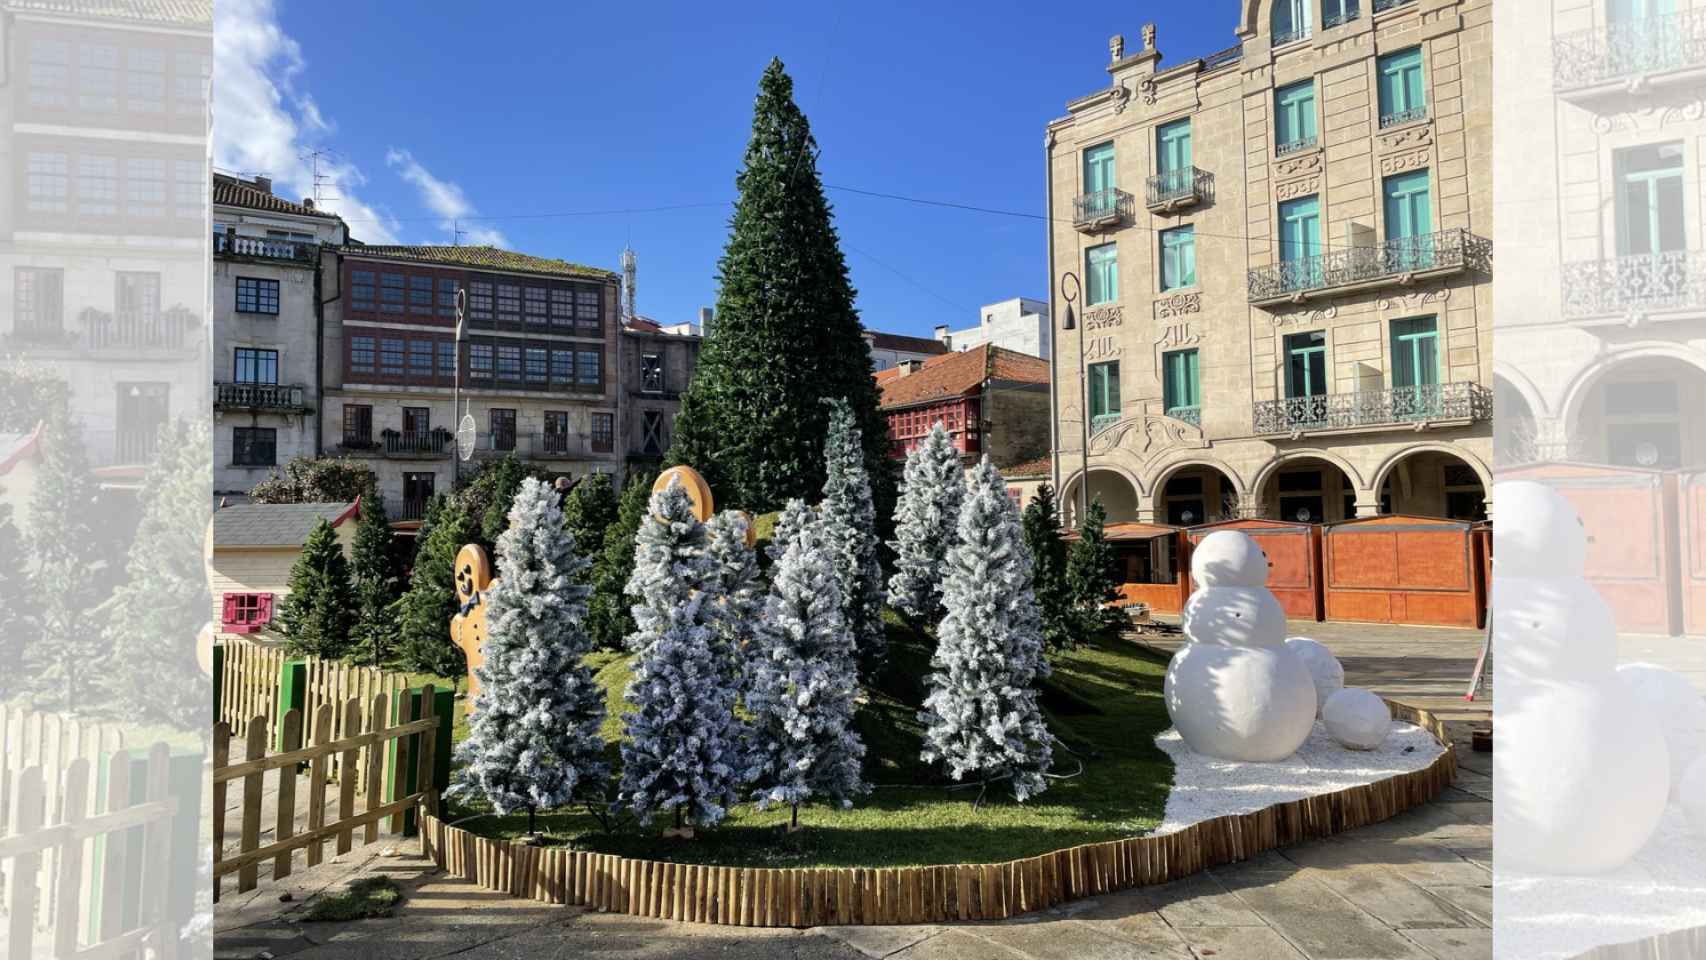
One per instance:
(474, 584)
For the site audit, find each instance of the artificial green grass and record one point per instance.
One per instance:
(1103, 703)
(360, 900)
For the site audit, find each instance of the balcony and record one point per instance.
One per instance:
(1190, 415)
(1177, 189)
(229, 244)
(1633, 285)
(1283, 37)
(276, 397)
(413, 444)
(139, 331)
(1094, 212)
(1627, 51)
(1397, 262)
(1399, 118)
(531, 446)
(1443, 404)
(1295, 146)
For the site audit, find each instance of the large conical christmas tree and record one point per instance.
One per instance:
(533, 742)
(924, 524)
(981, 719)
(752, 423)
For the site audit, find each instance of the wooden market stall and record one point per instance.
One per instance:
(1691, 492)
(1294, 560)
(1150, 563)
(1401, 569)
(1481, 535)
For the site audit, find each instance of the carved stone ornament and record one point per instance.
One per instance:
(1298, 166)
(1147, 434)
(1414, 299)
(1097, 349)
(1104, 318)
(1414, 135)
(1178, 305)
(1306, 315)
(1292, 189)
(1178, 333)
(1147, 87)
(1411, 160)
(1656, 112)
(1122, 97)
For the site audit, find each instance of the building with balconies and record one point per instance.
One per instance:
(657, 365)
(267, 285)
(1295, 321)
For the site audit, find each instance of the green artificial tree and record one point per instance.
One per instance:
(502, 480)
(590, 509)
(318, 617)
(609, 620)
(1090, 573)
(1048, 568)
(18, 606)
(70, 572)
(424, 612)
(753, 426)
(378, 582)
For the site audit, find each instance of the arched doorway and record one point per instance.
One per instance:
(1433, 483)
(1308, 490)
(1118, 496)
(1195, 493)
(1516, 438)
(1641, 413)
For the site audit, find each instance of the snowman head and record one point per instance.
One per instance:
(1538, 533)
(1228, 558)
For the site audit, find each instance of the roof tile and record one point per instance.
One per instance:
(956, 374)
(229, 191)
(490, 258)
(273, 524)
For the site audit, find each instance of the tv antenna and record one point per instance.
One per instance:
(319, 179)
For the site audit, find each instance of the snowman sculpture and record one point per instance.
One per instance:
(1235, 691)
(1581, 768)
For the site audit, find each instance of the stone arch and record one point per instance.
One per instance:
(1522, 385)
(1162, 472)
(1207, 490)
(1582, 384)
(1120, 509)
(1483, 473)
(1598, 433)
(1339, 494)
(1313, 453)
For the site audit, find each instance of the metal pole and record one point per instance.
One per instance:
(1071, 296)
(456, 385)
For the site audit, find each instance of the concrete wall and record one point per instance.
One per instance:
(1019, 324)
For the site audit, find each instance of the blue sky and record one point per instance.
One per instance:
(622, 106)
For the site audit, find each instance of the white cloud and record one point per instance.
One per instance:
(263, 124)
(443, 197)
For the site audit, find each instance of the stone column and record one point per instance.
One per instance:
(1368, 503)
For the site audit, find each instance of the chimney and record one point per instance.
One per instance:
(263, 184)
(942, 332)
(908, 366)
(308, 202)
(706, 314)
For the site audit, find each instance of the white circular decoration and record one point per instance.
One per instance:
(1553, 628)
(1692, 793)
(1680, 708)
(1324, 668)
(1357, 719)
(1540, 533)
(1240, 703)
(1228, 558)
(1234, 616)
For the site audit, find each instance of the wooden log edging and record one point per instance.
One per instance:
(812, 896)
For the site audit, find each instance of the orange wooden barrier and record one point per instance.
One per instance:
(1401, 569)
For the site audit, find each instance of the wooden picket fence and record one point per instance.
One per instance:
(365, 732)
(249, 680)
(803, 897)
(52, 838)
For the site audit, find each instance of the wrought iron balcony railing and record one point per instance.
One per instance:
(258, 396)
(418, 443)
(1381, 6)
(1283, 37)
(1396, 406)
(1637, 283)
(1339, 19)
(530, 446)
(1398, 118)
(1295, 146)
(1221, 58)
(1392, 261)
(130, 331)
(1179, 188)
(1190, 415)
(1102, 209)
(227, 243)
(1103, 421)
(1617, 51)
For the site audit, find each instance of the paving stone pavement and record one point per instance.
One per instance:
(1416, 886)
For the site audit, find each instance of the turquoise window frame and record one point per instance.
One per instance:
(1181, 381)
(1650, 218)
(1173, 146)
(1403, 96)
(1291, 20)
(1101, 275)
(1099, 168)
(1415, 352)
(1103, 393)
(1307, 347)
(1407, 201)
(1179, 257)
(1294, 114)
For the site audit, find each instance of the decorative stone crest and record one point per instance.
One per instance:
(1147, 87)
(1116, 48)
(1122, 97)
(1410, 160)
(1149, 36)
(1101, 348)
(1178, 305)
(1291, 189)
(1146, 434)
(1656, 112)
(1104, 318)
(1179, 333)
(1298, 166)
(1306, 315)
(1414, 299)
(1414, 135)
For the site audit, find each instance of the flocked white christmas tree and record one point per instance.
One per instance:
(850, 530)
(804, 674)
(534, 739)
(683, 755)
(933, 488)
(981, 717)
(739, 591)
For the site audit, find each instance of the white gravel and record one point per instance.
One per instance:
(1205, 787)
(1662, 890)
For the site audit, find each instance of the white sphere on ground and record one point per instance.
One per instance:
(1234, 616)
(1324, 668)
(1581, 777)
(1552, 628)
(1228, 558)
(1692, 793)
(1540, 532)
(1680, 708)
(1357, 719)
(1254, 704)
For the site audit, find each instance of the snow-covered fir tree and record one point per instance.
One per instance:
(849, 527)
(534, 738)
(739, 591)
(932, 489)
(684, 752)
(981, 717)
(804, 675)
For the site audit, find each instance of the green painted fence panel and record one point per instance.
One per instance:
(292, 695)
(401, 753)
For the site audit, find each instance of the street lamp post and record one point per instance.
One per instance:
(456, 380)
(1070, 295)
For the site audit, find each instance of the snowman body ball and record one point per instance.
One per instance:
(1235, 691)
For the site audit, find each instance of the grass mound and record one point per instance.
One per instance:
(1103, 703)
(360, 900)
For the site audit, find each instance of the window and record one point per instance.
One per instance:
(189, 189)
(189, 83)
(562, 306)
(587, 308)
(1300, 242)
(245, 612)
(254, 446)
(1650, 202)
(563, 367)
(447, 359)
(255, 366)
(651, 373)
(145, 80)
(358, 425)
(651, 432)
(503, 429)
(1336, 12)
(588, 369)
(509, 302)
(257, 296)
(537, 301)
(390, 293)
(479, 361)
(420, 295)
(1302, 496)
(97, 77)
(417, 421)
(1415, 367)
(1178, 257)
(509, 363)
(1409, 221)
(479, 300)
(391, 356)
(536, 365)
(1104, 394)
(361, 354)
(1099, 168)
(1102, 274)
(603, 432)
(50, 73)
(446, 297)
(1294, 117)
(1401, 95)
(417, 491)
(38, 301)
(97, 186)
(557, 431)
(362, 289)
(1306, 364)
(47, 181)
(420, 359)
(1181, 385)
(145, 187)
(138, 295)
(1291, 20)
(1173, 146)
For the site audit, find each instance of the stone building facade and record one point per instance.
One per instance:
(1019, 324)
(992, 401)
(657, 365)
(1278, 272)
